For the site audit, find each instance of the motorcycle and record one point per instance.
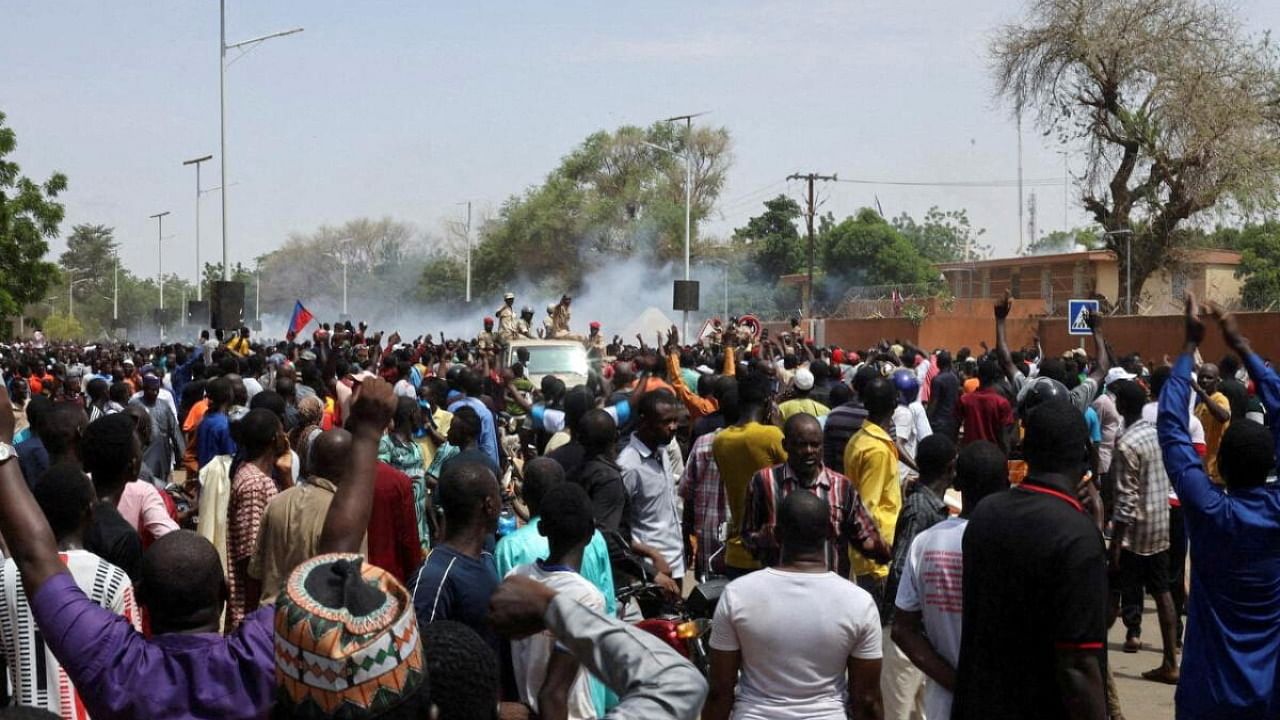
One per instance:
(684, 624)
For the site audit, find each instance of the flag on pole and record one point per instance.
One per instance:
(301, 318)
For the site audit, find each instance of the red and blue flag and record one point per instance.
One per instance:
(301, 318)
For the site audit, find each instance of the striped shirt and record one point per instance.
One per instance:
(704, 500)
(1142, 489)
(851, 523)
(36, 678)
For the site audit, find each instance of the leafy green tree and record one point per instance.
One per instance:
(443, 281)
(867, 250)
(28, 218)
(1260, 265)
(614, 196)
(1176, 106)
(773, 239)
(943, 236)
(1060, 241)
(61, 327)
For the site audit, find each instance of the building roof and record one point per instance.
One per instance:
(1206, 256)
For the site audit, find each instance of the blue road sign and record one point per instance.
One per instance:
(1076, 314)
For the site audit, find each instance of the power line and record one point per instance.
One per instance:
(1041, 182)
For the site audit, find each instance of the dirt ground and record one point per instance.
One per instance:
(1140, 699)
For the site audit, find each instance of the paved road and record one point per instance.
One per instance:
(1140, 699)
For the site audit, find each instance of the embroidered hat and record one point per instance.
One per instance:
(346, 641)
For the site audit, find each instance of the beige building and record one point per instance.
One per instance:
(1054, 279)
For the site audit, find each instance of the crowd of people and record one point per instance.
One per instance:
(357, 525)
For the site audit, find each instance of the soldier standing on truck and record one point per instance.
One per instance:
(507, 328)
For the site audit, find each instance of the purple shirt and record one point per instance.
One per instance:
(121, 674)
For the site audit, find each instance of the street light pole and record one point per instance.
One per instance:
(688, 200)
(159, 217)
(223, 47)
(199, 268)
(468, 204)
(115, 291)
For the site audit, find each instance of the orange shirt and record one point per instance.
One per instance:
(189, 460)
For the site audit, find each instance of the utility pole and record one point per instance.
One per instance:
(810, 178)
(468, 204)
(159, 218)
(688, 200)
(1021, 245)
(199, 270)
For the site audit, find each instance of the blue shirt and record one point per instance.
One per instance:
(1231, 653)
(33, 459)
(453, 586)
(213, 438)
(488, 434)
(1095, 425)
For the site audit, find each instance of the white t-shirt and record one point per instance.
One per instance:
(530, 656)
(911, 425)
(796, 632)
(932, 586)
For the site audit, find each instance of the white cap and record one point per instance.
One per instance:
(1117, 373)
(803, 379)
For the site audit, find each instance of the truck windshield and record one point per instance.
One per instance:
(552, 359)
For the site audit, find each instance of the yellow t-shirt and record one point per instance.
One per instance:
(740, 451)
(1213, 431)
(871, 463)
(795, 406)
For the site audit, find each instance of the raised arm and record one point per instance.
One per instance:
(1002, 308)
(1181, 461)
(23, 525)
(348, 517)
(1264, 378)
(1101, 367)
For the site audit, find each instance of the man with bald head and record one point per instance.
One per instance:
(293, 519)
(850, 523)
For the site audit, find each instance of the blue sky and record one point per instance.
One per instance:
(405, 109)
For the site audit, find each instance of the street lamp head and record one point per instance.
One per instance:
(160, 215)
(196, 161)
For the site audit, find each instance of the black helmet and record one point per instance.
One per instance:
(526, 310)
(1039, 391)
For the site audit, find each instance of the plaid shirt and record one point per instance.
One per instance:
(1142, 489)
(706, 508)
(851, 523)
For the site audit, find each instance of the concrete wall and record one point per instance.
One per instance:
(1152, 336)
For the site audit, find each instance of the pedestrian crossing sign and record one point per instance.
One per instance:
(1077, 316)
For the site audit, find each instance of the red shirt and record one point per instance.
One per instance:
(984, 414)
(393, 524)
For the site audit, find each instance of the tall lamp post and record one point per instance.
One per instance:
(159, 218)
(115, 289)
(199, 269)
(688, 196)
(468, 204)
(71, 301)
(223, 47)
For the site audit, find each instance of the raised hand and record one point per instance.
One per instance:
(1004, 305)
(1230, 328)
(374, 405)
(1194, 325)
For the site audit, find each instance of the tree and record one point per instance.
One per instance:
(90, 256)
(1178, 110)
(772, 238)
(1260, 265)
(943, 236)
(614, 196)
(1060, 241)
(444, 281)
(384, 259)
(61, 327)
(867, 250)
(28, 217)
